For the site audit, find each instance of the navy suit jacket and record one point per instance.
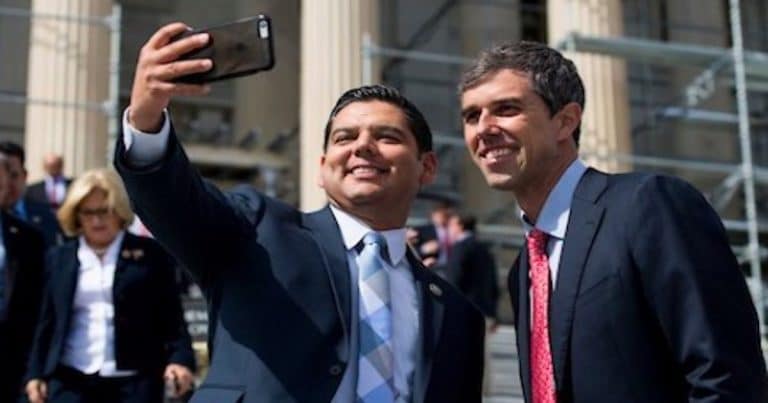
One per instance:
(472, 269)
(24, 250)
(36, 192)
(650, 304)
(278, 290)
(150, 331)
(40, 216)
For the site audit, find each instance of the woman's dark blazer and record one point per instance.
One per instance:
(150, 331)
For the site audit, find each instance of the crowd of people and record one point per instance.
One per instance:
(90, 312)
(626, 290)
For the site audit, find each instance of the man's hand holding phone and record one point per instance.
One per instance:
(156, 69)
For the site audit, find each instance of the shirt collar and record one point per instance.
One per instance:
(353, 230)
(88, 257)
(554, 215)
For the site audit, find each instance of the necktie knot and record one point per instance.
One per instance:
(374, 238)
(537, 242)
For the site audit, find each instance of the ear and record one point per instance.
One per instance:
(428, 168)
(568, 119)
(319, 178)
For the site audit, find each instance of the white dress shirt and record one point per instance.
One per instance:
(55, 187)
(143, 149)
(553, 218)
(90, 343)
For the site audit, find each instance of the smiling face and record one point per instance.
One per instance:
(511, 134)
(372, 167)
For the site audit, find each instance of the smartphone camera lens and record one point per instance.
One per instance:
(263, 29)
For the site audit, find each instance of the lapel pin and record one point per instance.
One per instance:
(13, 230)
(126, 254)
(435, 289)
(137, 254)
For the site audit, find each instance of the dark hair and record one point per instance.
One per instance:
(553, 77)
(467, 221)
(416, 121)
(12, 149)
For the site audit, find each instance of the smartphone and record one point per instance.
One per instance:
(236, 49)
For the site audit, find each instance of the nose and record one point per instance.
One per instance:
(365, 144)
(487, 124)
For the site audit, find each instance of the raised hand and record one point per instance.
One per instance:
(156, 68)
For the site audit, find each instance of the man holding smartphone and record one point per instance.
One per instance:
(318, 307)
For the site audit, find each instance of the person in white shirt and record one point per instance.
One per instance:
(111, 325)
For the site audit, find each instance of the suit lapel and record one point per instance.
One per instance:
(10, 242)
(522, 316)
(67, 274)
(585, 218)
(326, 233)
(431, 311)
(125, 252)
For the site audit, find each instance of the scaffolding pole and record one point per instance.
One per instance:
(745, 140)
(109, 106)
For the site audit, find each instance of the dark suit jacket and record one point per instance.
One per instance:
(472, 268)
(36, 191)
(650, 304)
(278, 290)
(40, 216)
(150, 331)
(24, 249)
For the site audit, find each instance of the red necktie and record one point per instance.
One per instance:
(542, 374)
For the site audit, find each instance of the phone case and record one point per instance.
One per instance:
(237, 49)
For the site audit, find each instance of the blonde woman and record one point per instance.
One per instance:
(111, 326)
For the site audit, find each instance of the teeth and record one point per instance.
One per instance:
(499, 152)
(365, 170)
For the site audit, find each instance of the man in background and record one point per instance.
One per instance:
(21, 269)
(433, 241)
(53, 188)
(471, 267)
(39, 215)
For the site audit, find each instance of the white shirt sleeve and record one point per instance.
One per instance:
(143, 149)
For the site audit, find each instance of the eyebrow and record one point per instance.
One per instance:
(374, 128)
(513, 100)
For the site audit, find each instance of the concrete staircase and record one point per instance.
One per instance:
(505, 379)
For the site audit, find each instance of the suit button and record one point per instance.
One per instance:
(335, 370)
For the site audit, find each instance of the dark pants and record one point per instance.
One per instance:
(12, 364)
(68, 385)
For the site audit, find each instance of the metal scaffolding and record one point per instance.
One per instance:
(112, 24)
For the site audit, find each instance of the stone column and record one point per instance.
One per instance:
(68, 65)
(269, 101)
(605, 127)
(331, 63)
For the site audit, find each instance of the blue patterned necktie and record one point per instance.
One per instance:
(375, 382)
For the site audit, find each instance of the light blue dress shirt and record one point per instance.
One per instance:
(144, 149)
(553, 219)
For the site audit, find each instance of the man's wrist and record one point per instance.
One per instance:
(145, 125)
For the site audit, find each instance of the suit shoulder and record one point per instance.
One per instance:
(256, 202)
(149, 245)
(648, 183)
(23, 228)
